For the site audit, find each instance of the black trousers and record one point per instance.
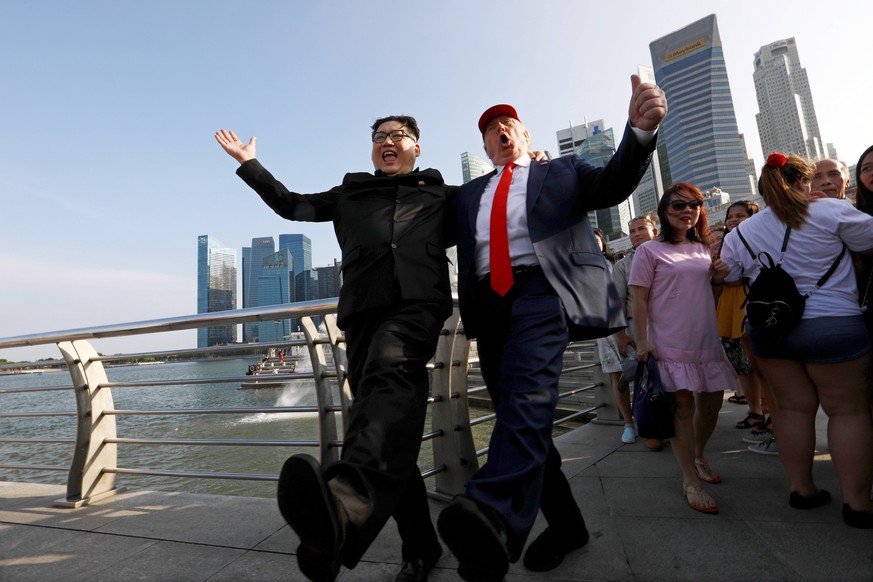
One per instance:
(388, 351)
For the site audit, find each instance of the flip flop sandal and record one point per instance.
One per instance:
(705, 473)
(737, 399)
(752, 420)
(766, 426)
(698, 499)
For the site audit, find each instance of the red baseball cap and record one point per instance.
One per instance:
(496, 111)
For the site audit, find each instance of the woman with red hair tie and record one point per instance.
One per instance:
(822, 359)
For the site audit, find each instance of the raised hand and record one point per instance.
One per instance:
(235, 148)
(648, 105)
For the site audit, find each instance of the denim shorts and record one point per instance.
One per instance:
(820, 340)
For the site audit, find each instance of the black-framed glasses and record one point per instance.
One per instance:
(395, 136)
(683, 204)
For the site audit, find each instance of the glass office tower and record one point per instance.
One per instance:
(700, 135)
(275, 287)
(300, 248)
(253, 265)
(216, 288)
(472, 166)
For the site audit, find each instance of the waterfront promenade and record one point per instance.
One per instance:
(641, 528)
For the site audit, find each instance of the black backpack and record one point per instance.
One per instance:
(773, 303)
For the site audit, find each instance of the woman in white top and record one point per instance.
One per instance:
(824, 358)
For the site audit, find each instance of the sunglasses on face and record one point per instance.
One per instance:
(682, 204)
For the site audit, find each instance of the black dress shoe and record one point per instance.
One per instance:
(549, 549)
(418, 569)
(858, 519)
(309, 507)
(479, 538)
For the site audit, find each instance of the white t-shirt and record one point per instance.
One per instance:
(811, 251)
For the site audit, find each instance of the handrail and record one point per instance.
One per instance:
(317, 307)
(93, 470)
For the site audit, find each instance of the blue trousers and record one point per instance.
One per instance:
(521, 355)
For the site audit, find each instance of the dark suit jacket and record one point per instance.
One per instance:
(559, 195)
(392, 230)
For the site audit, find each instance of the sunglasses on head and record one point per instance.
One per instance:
(682, 204)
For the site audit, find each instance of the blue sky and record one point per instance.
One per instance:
(108, 167)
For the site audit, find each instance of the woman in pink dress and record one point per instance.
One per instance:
(674, 320)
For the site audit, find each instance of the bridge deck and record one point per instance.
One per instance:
(641, 528)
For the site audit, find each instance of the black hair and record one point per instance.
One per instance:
(405, 120)
(864, 196)
(749, 206)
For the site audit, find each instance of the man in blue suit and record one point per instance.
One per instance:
(531, 279)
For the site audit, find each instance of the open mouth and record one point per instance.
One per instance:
(504, 139)
(389, 156)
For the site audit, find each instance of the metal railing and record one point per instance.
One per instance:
(93, 470)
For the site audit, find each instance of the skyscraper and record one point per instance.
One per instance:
(216, 288)
(275, 287)
(786, 117)
(329, 280)
(253, 265)
(472, 166)
(597, 149)
(700, 135)
(301, 250)
(571, 138)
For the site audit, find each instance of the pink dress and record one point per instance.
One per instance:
(682, 326)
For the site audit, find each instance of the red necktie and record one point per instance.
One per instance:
(501, 267)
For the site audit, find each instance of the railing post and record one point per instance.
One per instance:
(607, 412)
(88, 480)
(341, 363)
(327, 425)
(450, 414)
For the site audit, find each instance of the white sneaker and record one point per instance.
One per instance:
(758, 438)
(767, 447)
(629, 435)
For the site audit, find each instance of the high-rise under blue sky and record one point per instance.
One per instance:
(108, 167)
(700, 135)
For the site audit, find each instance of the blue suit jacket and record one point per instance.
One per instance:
(560, 193)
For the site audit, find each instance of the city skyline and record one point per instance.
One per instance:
(109, 169)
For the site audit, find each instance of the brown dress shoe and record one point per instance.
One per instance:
(654, 444)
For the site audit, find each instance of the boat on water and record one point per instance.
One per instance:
(272, 371)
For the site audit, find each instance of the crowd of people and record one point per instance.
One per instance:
(534, 275)
(783, 377)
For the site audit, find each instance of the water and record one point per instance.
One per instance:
(201, 458)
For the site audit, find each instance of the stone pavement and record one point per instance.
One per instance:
(641, 527)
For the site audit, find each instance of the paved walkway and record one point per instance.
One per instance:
(641, 527)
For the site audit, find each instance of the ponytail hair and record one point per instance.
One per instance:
(777, 186)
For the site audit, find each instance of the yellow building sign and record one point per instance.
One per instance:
(685, 50)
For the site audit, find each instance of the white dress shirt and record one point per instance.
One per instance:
(521, 251)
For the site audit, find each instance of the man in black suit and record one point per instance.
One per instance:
(393, 227)
(532, 278)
